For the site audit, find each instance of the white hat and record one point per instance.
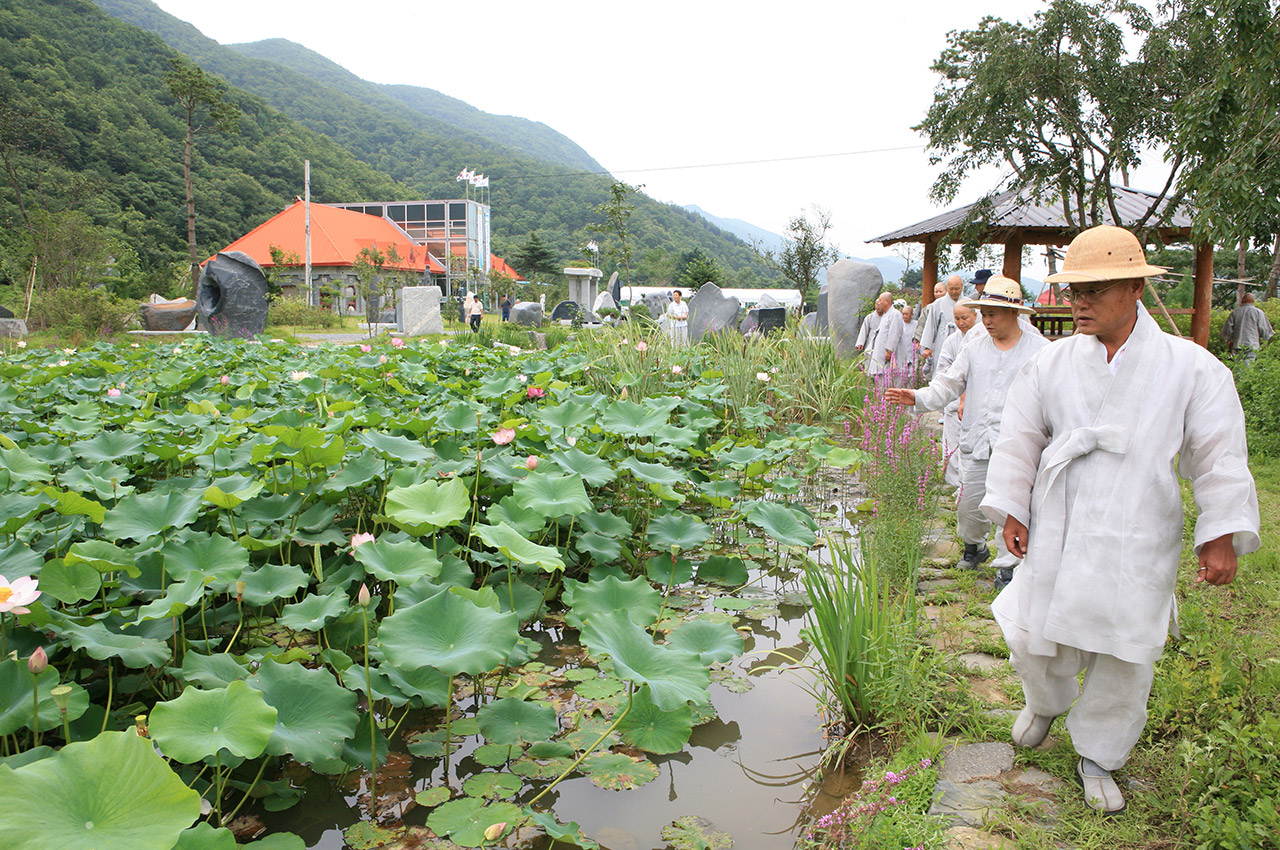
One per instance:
(1002, 292)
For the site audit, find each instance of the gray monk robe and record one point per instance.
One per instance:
(1089, 462)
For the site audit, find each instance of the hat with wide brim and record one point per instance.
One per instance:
(981, 276)
(1104, 253)
(1002, 292)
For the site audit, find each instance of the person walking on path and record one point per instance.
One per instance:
(506, 308)
(1246, 329)
(906, 352)
(937, 323)
(678, 319)
(871, 322)
(982, 372)
(1084, 480)
(474, 312)
(888, 335)
(965, 317)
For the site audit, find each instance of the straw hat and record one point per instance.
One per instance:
(1002, 292)
(1104, 253)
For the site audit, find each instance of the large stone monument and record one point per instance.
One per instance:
(615, 288)
(527, 313)
(763, 320)
(584, 286)
(851, 291)
(710, 311)
(656, 302)
(604, 301)
(10, 326)
(418, 311)
(232, 296)
(161, 314)
(820, 315)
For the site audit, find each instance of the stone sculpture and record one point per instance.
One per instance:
(809, 324)
(566, 310)
(418, 311)
(851, 291)
(232, 296)
(820, 316)
(527, 313)
(604, 301)
(12, 328)
(710, 311)
(657, 303)
(615, 288)
(6, 313)
(170, 316)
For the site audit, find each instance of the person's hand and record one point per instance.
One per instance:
(1217, 561)
(858, 347)
(900, 395)
(1015, 537)
(960, 410)
(927, 353)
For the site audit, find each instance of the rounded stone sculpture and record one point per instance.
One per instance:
(232, 296)
(168, 315)
(851, 291)
(527, 313)
(657, 303)
(710, 311)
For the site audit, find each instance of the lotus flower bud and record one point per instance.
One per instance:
(492, 831)
(531, 463)
(363, 596)
(38, 661)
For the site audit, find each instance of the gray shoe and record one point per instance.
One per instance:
(1100, 791)
(1030, 729)
(975, 554)
(1004, 575)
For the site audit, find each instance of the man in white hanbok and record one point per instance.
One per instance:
(964, 318)
(906, 352)
(936, 324)
(871, 322)
(888, 335)
(677, 314)
(1246, 329)
(982, 372)
(1084, 479)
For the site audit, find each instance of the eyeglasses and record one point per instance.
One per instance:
(1091, 296)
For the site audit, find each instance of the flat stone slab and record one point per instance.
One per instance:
(967, 803)
(981, 662)
(934, 585)
(972, 762)
(12, 328)
(968, 838)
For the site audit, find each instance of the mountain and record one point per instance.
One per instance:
(409, 134)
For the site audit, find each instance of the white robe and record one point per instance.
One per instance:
(950, 413)
(1086, 460)
(1246, 327)
(937, 324)
(867, 329)
(888, 335)
(906, 351)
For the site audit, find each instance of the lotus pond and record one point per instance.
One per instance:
(432, 594)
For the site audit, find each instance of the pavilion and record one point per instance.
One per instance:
(1017, 219)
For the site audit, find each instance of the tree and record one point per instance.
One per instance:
(617, 213)
(1059, 104)
(535, 257)
(200, 96)
(806, 252)
(696, 268)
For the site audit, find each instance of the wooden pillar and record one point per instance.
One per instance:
(1013, 256)
(1202, 301)
(930, 270)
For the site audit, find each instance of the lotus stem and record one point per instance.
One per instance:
(448, 715)
(111, 683)
(373, 730)
(585, 753)
(35, 709)
(248, 790)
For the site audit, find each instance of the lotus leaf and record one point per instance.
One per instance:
(426, 684)
(432, 797)
(598, 689)
(17, 687)
(312, 613)
(590, 468)
(696, 833)
(356, 750)
(569, 833)
(68, 503)
(211, 671)
(102, 643)
(217, 496)
(278, 841)
(492, 755)
(843, 458)
(676, 677)
(599, 547)
(202, 836)
(69, 582)
(730, 572)
(495, 785)
(783, 525)
(404, 563)
(712, 642)
(271, 582)
(628, 419)
(17, 560)
(357, 472)
(653, 730)
(652, 473)
(177, 599)
(464, 821)
(618, 771)
(199, 724)
(16, 510)
(314, 713)
(514, 514)
(666, 570)
(144, 515)
(397, 449)
(512, 721)
(449, 634)
(102, 556)
(635, 598)
(424, 508)
(552, 495)
(112, 793)
(515, 546)
(23, 467)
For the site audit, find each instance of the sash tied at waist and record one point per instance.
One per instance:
(1083, 440)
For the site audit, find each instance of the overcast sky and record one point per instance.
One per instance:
(668, 94)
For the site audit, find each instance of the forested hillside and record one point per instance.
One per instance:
(422, 149)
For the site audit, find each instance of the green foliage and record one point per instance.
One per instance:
(696, 268)
(81, 311)
(805, 252)
(296, 312)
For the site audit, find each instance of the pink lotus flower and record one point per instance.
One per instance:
(524, 379)
(16, 596)
(113, 393)
(366, 348)
(358, 539)
(571, 440)
(642, 346)
(382, 358)
(676, 370)
(38, 661)
(531, 463)
(225, 380)
(504, 435)
(397, 342)
(535, 392)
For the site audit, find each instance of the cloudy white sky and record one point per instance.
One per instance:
(665, 93)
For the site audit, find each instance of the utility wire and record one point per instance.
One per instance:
(712, 164)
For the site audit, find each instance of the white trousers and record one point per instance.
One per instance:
(971, 523)
(951, 446)
(1107, 717)
(679, 335)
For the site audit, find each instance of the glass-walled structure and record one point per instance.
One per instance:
(455, 232)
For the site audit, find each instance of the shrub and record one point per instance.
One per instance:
(297, 312)
(81, 310)
(1258, 384)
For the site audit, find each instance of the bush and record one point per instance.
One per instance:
(297, 312)
(81, 310)
(1259, 387)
